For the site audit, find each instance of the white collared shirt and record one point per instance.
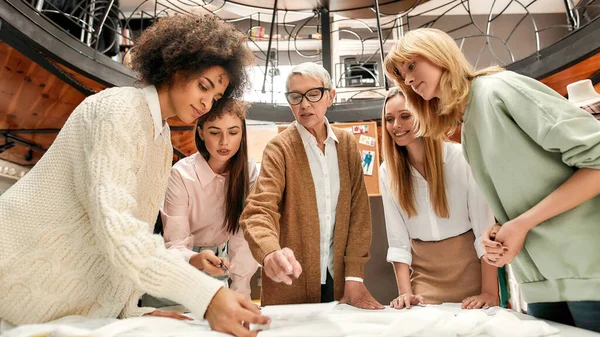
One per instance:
(466, 204)
(326, 177)
(161, 127)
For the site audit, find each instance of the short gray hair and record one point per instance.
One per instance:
(311, 70)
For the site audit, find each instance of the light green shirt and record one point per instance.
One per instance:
(523, 140)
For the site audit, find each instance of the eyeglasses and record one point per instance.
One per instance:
(312, 95)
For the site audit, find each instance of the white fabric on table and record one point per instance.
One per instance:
(314, 320)
(147, 326)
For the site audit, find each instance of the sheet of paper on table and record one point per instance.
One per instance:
(426, 320)
(298, 311)
(295, 315)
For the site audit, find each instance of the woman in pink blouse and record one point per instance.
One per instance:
(206, 195)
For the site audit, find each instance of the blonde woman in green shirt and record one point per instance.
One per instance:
(536, 158)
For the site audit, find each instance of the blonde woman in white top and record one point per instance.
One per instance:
(434, 215)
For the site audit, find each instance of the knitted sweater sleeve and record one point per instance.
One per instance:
(131, 307)
(113, 154)
(260, 218)
(359, 231)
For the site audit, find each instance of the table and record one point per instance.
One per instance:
(345, 321)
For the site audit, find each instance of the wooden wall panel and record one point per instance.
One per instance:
(580, 71)
(31, 98)
(184, 141)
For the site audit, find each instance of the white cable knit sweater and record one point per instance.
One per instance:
(75, 233)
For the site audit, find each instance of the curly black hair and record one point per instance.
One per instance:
(190, 44)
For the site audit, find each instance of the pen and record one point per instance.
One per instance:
(224, 267)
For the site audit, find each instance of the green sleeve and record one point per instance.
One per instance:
(551, 121)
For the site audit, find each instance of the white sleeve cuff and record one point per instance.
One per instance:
(182, 253)
(399, 255)
(187, 254)
(356, 279)
(479, 246)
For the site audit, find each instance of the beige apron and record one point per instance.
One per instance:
(446, 270)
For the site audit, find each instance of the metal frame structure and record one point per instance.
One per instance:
(24, 27)
(91, 16)
(11, 140)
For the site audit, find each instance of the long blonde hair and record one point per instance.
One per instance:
(399, 172)
(438, 116)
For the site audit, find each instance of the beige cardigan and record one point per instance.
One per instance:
(282, 212)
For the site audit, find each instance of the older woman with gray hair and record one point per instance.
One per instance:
(308, 220)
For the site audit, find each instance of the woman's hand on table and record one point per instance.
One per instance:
(481, 301)
(406, 300)
(174, 315)
(357, 295)
(230, 312)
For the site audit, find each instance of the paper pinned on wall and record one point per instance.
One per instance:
(360, 129)
(367, 161)
(367, 140)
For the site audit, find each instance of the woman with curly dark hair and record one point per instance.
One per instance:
(75, 233)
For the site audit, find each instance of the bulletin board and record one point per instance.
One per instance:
(366, 136)
(368, 146)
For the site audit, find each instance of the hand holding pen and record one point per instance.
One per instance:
(209, 263)
(223, 266)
